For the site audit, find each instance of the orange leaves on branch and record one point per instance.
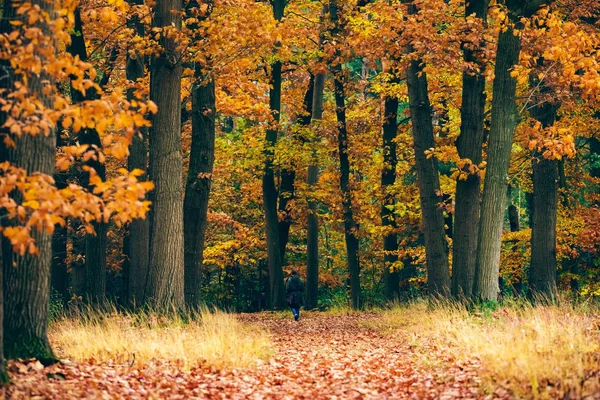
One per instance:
(42, 205)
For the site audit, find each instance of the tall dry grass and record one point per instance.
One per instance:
(213, 337)
(532, 351)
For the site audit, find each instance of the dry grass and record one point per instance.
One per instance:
(213, 337)
(532, 351)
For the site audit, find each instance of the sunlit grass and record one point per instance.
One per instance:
(532, 351)
(211, 337)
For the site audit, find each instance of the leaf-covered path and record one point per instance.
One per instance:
(319, 357)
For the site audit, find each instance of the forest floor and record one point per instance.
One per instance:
(322, 356)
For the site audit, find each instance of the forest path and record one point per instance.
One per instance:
(322, 356)
(339, 357)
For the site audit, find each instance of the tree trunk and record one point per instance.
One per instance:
(4, 379)
(504, 120)
(95, 244)
(350, 226)
(197, 190)
(388, 179)
(59, 277)
(513, 218)
(312, 218)
(137, 239)
(469, 146)
(26, 279)
(288, 178)
(542, 271)
(276, 285)
(438, 275)
(164, 286)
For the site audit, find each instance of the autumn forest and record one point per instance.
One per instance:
(429, 168)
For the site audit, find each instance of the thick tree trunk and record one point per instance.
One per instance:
(438, 275)
(312, 219)
(469, 146)
(388, 179)
(197, 190)
(276, 285)
(137, 239)
(542, 271)
(26, 279)
(504, 120)
(164, 286)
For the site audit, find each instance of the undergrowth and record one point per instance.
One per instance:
(534, 352)
(213, 337)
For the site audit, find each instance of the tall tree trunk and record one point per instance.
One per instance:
(438, 275)
(388, 179)
(197, 190)
(504, 120)
(288, 178)
(164, 286)
(350, 226)
(26, 279)
(469, 146)
(137, 239)
(542, 271)
(276, 285)
(95, 244)
(312, 218)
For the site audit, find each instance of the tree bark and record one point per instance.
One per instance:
(59, 278)
(276, 285)
(197, 190)
(95, 244)
(312, 218)
(388, 179)
(469, 146)
(504, 121)
(26, 279)
(164, 287)
(438, 275)
(288, 178)
(542, 271)
(137, 240)
(513, 218)
(350, 226)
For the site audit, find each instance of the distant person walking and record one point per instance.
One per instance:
(294, 289)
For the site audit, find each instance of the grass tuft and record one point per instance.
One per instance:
(531, 351)
(213, 337)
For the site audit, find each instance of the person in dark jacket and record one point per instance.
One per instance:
(294, 289)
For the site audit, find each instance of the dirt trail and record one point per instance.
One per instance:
(319, 357)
